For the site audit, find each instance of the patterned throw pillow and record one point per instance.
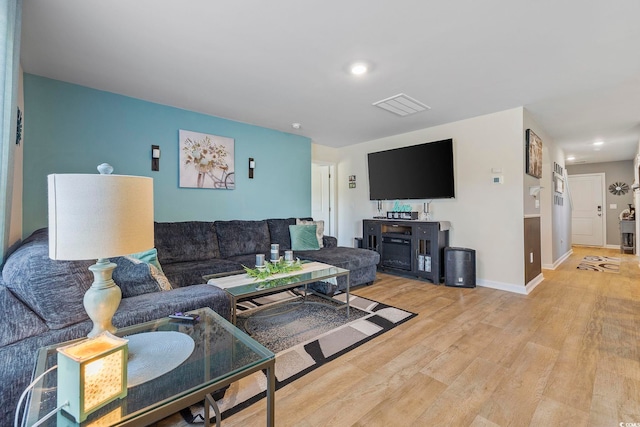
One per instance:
(150, 257)
(135, 277)
(319, 228)
(303, 238)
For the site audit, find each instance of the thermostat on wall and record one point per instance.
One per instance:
(498, 179)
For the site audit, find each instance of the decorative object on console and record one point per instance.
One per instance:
(380, 215)
(402, 215)
(426, 212)
(534, 155)
(618, 188)
(155, 158)
(91, 373)
(97, 217)
(206, 161)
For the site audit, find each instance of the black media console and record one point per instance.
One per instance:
(408, 247)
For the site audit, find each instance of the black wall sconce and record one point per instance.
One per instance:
(252, 166)
(155, 158)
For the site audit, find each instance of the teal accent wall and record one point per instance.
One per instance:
(72, 129)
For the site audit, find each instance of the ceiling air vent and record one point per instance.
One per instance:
(402, 105)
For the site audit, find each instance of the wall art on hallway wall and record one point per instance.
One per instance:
(534, 154)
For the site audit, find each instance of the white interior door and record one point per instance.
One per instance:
(321, 196)
(587, 219)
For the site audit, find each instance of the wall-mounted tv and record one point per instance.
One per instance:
(423, 171)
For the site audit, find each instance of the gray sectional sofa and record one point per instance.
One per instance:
(189, 250)
(41, 299)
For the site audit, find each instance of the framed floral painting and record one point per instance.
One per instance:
(206, 161)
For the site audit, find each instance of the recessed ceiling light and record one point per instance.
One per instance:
(571, 158)
(598, 143)
(359, 68)
(296, 125)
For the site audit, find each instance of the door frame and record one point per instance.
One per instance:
(332, 230)
(603, 191)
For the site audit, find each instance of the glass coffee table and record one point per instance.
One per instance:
(240, 286)
(222, 355)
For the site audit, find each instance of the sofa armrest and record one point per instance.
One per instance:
(156, 305)
(329, 241)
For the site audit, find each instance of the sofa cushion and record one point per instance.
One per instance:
(279, 232)
(303, 237)
(185, 241)
(243, 238)
(52, 289)
(135, 277)
(18, 321)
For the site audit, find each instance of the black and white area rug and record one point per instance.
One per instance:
(304, 336)
(600, 263)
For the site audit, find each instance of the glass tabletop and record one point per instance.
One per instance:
(221, 351)
(241, 285)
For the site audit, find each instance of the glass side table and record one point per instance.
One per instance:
(222, 355)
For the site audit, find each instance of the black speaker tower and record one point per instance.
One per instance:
(460, 267)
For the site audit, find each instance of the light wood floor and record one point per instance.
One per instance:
(567, 354)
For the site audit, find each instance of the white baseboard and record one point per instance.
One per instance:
(612, 247)
(509, 287)
(558, 261)
(534, 282)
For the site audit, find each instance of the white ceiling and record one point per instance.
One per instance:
(574, 64)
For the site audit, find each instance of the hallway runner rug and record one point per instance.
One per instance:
(600, 263)
(303, 337)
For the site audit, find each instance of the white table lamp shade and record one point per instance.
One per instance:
(95, 216)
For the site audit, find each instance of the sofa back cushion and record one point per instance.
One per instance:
(186, 241)
(52, 289)
(279, 232)
(243, 238)
(18, 321)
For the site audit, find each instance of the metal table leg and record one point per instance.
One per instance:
(209, 401)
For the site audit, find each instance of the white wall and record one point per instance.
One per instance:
(486, 217)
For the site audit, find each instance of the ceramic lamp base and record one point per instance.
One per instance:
(103, 297)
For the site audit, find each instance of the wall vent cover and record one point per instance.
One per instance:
(402, 105)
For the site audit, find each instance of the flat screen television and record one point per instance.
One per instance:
(423, 171)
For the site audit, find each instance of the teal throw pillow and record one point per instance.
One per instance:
(303, 238)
